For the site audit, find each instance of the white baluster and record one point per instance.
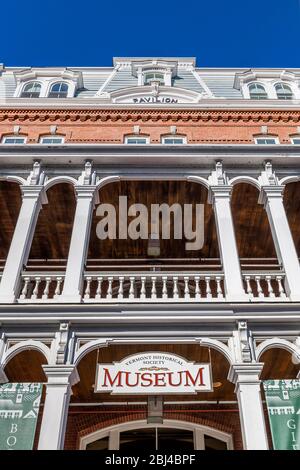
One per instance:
(186, 288)
(197, 288)
(280, 287)
(58, 287)
(219, 288)
(164, 289)
(121, 291)
(46, 290)
(208, 289)
(25, 288)
(143, 288)
(99, 287)
(131, 288)
(109, 289)
(175, 288)
(153, 290)
(248, 286)
(259, 289)
(270, 288)
(87, 293)
(36, 288)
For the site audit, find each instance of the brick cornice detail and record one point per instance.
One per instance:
(153, 115)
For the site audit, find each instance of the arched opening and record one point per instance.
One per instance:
(262, 273)
(43, 278)
(90, 411)
(10, 204)
(122, 256)
(291, 202)
(173, 434)
(26, 367)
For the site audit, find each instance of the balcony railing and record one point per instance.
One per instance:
(151, 286)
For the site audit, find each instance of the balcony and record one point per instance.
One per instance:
(133, 285)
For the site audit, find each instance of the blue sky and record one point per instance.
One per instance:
(220, 33)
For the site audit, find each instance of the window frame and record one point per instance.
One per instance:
(261, 137)
(154, 72)
(174, 137)
(283, 84)
(261, 85)
(41, 141)
(127, 137)
(29, 83)
(3, 141)
(58, 83)
(295, 138)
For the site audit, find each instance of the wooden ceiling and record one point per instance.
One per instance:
(252, 229)
(10, 203)
(54, 226)
(147, 193)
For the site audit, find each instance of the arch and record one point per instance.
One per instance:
(26, 345)
(257, 91)
(31, 89)
(61, 91)
(289, 179)
(60, 179)
(116, 178)
(168, 423)
(277, 343)
(245, 179)
(13, 179)
(283, 91)
(105, 342)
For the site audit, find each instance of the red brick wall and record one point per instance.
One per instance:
(85, 420)
(111, 126)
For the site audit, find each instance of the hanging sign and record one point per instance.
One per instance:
(19, 407)
(153, 373)
(283, 402)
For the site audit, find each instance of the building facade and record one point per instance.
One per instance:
(156, 131)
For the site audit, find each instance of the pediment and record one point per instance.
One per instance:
(155, 95)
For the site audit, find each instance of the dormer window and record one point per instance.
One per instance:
(283, 91)
(257, 92)
(58, 90)
(31, 90)
(154, 77)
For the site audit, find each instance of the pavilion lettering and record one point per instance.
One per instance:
(155, 99)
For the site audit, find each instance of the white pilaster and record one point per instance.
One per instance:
(219, 196)
(79, 243)
(55, 413)
(271, 197)
(32, 199)
(245, 376)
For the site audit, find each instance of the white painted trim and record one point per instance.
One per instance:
(276, 343)
(25, 345)
(168, 423)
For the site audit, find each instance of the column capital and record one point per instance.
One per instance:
(268, 192)
(34, 192)
(246, 373)
(223, 191)
(61, 374)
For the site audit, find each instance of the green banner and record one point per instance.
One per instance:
(19, 407)
(283, 402)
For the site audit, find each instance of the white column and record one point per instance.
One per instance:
(219, 196)
(72, 289)
(245, 376)
(55, 413)
(32, 199)
(271, 197)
